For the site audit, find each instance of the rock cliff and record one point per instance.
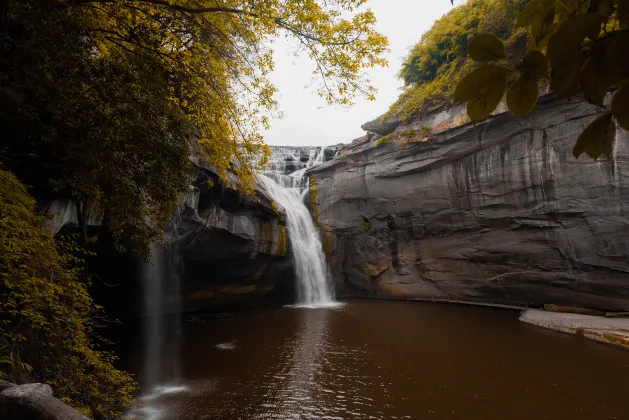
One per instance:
(234, 247)
(227, 249)
(501, 210)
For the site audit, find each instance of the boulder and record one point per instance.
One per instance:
(34, 402)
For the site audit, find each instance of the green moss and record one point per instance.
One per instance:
(327, 242)
(383, 140)
(437, 63)
(366, 225)
(282, 247)
(313, 200)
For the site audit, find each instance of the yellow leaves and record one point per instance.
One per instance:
(597, 138)
(48, 317)
(220, 60)
(486, 47)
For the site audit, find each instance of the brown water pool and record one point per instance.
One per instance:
(388, 360)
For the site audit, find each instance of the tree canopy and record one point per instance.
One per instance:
(100, 99)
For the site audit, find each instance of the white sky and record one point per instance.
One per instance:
(308, 121)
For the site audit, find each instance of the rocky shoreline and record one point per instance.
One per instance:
(613, 331)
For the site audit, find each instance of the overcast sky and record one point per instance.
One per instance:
(307, 120)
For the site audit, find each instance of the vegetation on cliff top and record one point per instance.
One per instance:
(47, 323)
(437, 63)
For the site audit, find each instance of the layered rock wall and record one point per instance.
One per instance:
(234, 247)
(501, 210)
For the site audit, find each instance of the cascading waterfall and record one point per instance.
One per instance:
(313, 285)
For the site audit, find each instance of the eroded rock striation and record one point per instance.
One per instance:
(227, 248)
(234, 247)
(501, 210)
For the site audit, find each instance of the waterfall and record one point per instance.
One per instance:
(161, 319)
(313, 285)
(161, 310)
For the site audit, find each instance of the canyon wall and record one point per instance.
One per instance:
(234, 247)
(502, 210)
(225, 248)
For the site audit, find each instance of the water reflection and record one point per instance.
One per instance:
(391, 360)
(297, 396)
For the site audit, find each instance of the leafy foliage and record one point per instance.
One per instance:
(584, 43)
(486, 47)
(437, 63)
(101, 98)
(47, 316)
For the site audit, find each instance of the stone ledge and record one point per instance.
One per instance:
(614, 331)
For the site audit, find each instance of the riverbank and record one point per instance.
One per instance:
(614, 331)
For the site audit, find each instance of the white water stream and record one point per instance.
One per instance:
(313, 284)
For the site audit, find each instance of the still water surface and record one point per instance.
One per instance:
(390, 360)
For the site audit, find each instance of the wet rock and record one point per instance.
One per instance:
(500, 211)
(34, 402)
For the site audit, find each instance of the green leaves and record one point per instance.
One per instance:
(534, 65)
(522, 96)
(564, 54)
(597, 138)
(533, 11)
(579, 43)
(597, 75)
(483, 90)
(484, 87)
(486, 47)
(620, 106)
(540, 16)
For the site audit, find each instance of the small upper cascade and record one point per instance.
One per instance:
(287, 165)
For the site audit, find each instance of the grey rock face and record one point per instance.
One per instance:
(34, 402)
(234, 247)
(499, 211)
(381, 127)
